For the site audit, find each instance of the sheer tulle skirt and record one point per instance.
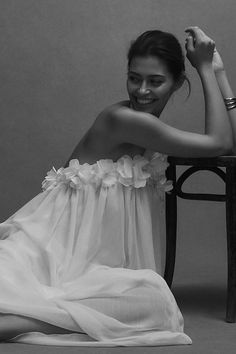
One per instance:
(83, 258)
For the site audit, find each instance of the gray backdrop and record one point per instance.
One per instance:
(63, 61)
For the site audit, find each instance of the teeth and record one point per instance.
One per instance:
(144, 100)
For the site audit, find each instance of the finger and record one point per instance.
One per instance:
(189, 43)
(194, 29)
(196, 32)
(200, 37)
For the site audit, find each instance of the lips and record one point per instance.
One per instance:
(144, 101)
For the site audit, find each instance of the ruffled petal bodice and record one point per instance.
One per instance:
(131, 172)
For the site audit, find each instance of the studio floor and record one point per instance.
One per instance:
(203, 308)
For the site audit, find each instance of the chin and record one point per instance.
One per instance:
(147, 110)
(150, 110)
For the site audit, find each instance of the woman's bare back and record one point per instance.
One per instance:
(98, 142)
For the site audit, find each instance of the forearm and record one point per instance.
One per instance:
(227, 91)
(216, 119)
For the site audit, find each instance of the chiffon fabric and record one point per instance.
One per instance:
(80, 255)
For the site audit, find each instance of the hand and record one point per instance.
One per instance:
(199, 48)
(217, 62)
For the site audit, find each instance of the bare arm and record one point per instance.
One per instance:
(226, 91)
(143, 129)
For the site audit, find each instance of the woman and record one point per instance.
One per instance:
(78, 259)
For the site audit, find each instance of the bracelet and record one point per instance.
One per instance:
(230, 103)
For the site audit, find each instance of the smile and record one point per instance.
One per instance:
(144, 101)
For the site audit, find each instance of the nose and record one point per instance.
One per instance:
(143, 88)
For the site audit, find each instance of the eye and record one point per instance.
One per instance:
(133, 79)
(156, 83)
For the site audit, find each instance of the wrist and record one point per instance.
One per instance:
(224, 85)
(220, 74)
(205, 68)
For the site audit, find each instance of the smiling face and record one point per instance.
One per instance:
(149, 84)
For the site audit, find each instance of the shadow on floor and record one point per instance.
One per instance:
(206, 300)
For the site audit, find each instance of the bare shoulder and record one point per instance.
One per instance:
(129, 125)
(105, 119)
(123, 124)
(99, 141)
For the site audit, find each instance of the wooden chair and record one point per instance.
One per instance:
(229, 177)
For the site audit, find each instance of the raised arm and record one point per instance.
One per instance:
(146, 130)
(226, 91)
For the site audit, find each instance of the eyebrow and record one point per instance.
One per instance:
(155, 76)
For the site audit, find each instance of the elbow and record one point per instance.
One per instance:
(226, 146)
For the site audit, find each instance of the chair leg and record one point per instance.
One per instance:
(231, 243)
(171, 225)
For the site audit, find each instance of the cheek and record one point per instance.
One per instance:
(128, 87)
(164, 92)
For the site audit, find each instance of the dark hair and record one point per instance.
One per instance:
(163, 45)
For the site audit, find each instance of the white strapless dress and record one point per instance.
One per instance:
(80, 255)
